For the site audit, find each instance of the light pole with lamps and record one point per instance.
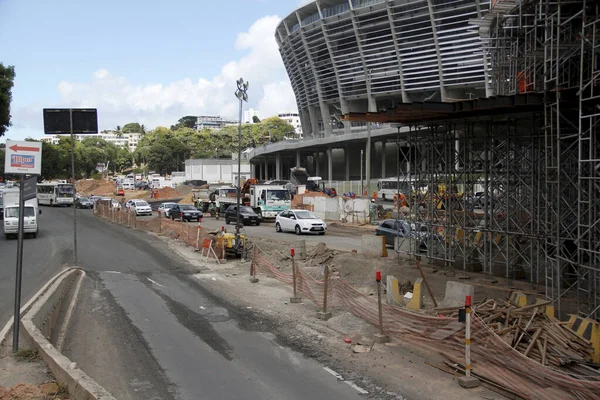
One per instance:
(242, 95)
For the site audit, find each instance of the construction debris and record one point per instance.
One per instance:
(534, 334)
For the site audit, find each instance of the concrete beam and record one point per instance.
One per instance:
(278, 166)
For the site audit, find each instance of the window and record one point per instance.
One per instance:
(280, 194)
(306, 215)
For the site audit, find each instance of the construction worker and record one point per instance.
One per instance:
(395, 200)
(372, 209)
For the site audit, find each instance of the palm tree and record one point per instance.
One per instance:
(143, 129)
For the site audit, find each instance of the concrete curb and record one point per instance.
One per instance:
(8, 327)
(44, 313)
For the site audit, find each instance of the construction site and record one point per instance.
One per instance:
(529, 155)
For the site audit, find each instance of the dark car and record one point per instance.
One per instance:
(1, 208)
(392, 229)
(185, 212)
(247, 215)
(84, 202)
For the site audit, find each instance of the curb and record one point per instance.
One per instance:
(9, 325)
(79, 384)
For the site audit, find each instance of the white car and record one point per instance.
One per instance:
(128, 204)
(141, 207)
(299, 221)
(164, 208)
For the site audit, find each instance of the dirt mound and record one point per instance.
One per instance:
(96, 187)
(188, 199)
(184, 189)
(167, 193)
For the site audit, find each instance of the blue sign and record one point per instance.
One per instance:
(21, 161)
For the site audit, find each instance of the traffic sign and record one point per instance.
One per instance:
(30, 188)
(23, 158)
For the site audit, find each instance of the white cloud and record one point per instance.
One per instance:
(152, 104)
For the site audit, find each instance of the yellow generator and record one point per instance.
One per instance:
(228, 241)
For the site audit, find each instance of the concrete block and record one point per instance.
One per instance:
(324, 315)
(253, 280)
(379, 338)
(295, 300)
(416, 303)
(468, 382)
(371, 245)
(519, 299)
(393, 291)
(456, 293)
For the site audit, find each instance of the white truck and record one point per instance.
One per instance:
(10, 199)
(210, 200)
(268, 200)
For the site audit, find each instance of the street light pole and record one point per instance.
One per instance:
(241, 94)
(368, 152)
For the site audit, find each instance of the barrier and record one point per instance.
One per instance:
(492, 358)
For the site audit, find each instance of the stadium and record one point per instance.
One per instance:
(478, 101)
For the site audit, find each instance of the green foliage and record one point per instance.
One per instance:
(189, 121)
(132, 127)
(7, 77)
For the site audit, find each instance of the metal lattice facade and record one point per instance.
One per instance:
(365, 55)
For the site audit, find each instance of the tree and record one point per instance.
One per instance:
(123, 159)
(132, 127)
(188, 121)
(7, 77)
(255, 119)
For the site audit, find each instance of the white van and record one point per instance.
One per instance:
(11, 220)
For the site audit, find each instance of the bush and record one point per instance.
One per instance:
(96, 176)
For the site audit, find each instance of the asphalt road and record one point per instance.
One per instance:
(43, 257)
(146, 329)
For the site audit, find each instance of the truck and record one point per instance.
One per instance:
(213, 200)
(268, 200)
(10, 199)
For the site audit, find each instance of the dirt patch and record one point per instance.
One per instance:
(96, 187)
(167, 193)
(184, 189)
(188, 199)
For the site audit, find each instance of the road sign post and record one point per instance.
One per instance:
(71, 121)
(22, 158)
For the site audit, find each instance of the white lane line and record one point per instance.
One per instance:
(112, 272)
(350, 383)
(357, 388)
(332, 372)
(156, 283)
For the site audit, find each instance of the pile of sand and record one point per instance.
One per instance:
(96, 187)
(184, 189)
(167, 193)
(188, 199)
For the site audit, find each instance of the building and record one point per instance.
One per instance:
(216, 170)
(249, 115)
(125, 140)
(213, 122)
(368, 55)
(294, 120)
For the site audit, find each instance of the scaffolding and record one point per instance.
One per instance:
(518, 196)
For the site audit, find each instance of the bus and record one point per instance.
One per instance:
(55, 194)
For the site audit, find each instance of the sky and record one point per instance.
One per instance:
(145, 61)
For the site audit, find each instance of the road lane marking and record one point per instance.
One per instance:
(156, 283)
(350, 383)
(357, 388)
(112, 272)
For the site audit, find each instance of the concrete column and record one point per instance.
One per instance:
(347, 162)
(260, 171)
(383, 159)
(329, 165)
(266, 169)
(298, 159)
(317, 164)
(326, 117)
(278, 166)
(314, 121)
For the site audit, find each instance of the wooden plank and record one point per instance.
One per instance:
(543, 348)
(533, 341)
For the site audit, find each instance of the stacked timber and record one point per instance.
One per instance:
(534, 334)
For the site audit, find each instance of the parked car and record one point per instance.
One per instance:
(391, 229)
(299, 221)
(247, 215)
(164, 209)
(1, 207)
(140, 207)
(115, 204)
(120, 191)
(128, 204)
(185, 212)
(84, 202)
